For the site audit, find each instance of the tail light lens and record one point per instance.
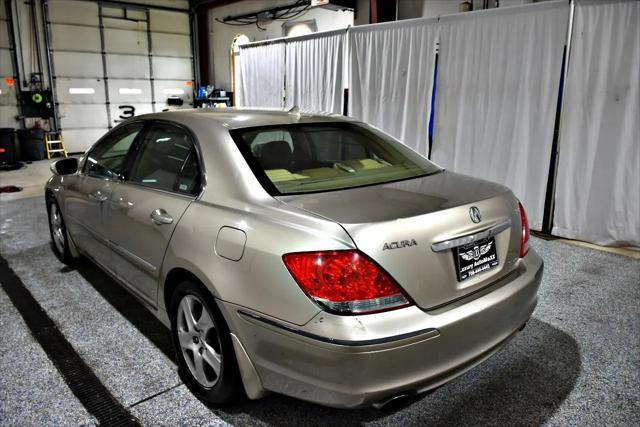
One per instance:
(345, 282)
(524, 243)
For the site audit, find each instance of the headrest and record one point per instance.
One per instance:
(275, 155)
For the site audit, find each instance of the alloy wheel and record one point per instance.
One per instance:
(199, 341)
(57, 231)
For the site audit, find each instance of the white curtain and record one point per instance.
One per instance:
(391, 78)
(314, 72)
(261, 75)
(497, 90)
(598, 184)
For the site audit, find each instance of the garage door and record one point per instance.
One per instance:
(113, 62)
(8, 103)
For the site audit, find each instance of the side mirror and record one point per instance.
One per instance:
(65, 166)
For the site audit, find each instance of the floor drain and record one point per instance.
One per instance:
(77, 374)
(10, 189)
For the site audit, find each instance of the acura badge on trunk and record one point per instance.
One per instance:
(474, 213)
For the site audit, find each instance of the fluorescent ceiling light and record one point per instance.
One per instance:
(174, 91)
(82, 90)
(129, 91)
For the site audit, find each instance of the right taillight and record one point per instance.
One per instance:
(345, 282)
(524, 241)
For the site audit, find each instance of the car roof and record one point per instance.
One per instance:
(234, 118)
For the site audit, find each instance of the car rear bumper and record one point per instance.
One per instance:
(353, 361)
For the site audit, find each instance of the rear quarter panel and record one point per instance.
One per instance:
(259, 280)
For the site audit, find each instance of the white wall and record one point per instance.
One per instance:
(408, 9)
(221, 35)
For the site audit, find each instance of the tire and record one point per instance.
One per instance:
(202, 345)
(58, 232)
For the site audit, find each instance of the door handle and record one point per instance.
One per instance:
(160, 217)
(98, 196)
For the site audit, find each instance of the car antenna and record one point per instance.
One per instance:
(295, 111)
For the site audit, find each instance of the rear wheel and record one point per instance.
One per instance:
(205, 354)
(58, 231)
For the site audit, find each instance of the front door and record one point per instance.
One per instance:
(85, 203)
(145, 207)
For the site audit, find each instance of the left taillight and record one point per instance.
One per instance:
(525, 234)
(345, 282)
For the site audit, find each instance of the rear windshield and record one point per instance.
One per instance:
(294, 159)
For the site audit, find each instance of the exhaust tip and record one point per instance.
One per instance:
(397, 402)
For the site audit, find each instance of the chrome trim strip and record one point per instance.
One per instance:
(135, 259)
(428, 333)
(470, 238)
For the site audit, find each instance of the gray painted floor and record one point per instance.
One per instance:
(577, 362)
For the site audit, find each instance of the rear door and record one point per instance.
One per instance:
(85, 199)
(163, 178)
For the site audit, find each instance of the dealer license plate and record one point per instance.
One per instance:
(474, 258)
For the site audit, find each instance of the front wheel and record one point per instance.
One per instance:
(205, 354)
(58, 232)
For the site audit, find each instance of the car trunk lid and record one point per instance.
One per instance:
(411, 229)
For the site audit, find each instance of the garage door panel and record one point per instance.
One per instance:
(167, 88)
(120, 113)
(131, 56)
(76, 38)
(8, 115)
(82, 116)
(125, 91)
(6, 70)
(80, 91)
(123, 66)
(123, 24)
(72, 64)
(123, 14)
(80, 140)
(172, 22)
(73, 12)
(171, 44)
(125, 41)
(172, 68)
(4, 35)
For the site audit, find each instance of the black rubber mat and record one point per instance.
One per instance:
(78, 376)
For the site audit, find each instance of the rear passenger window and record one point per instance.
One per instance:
(167, 160)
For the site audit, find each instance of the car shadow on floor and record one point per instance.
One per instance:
(127, 305)
(524, 383)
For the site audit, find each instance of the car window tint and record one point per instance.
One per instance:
(164, 160)
(260, 140)
(106, 160)
(335, 145)
(189, 178)
(327, 156)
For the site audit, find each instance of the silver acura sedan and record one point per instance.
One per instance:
(308, 255)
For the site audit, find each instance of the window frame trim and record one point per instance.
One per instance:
(135, 151)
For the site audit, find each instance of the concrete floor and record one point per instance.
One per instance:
(576, 363)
